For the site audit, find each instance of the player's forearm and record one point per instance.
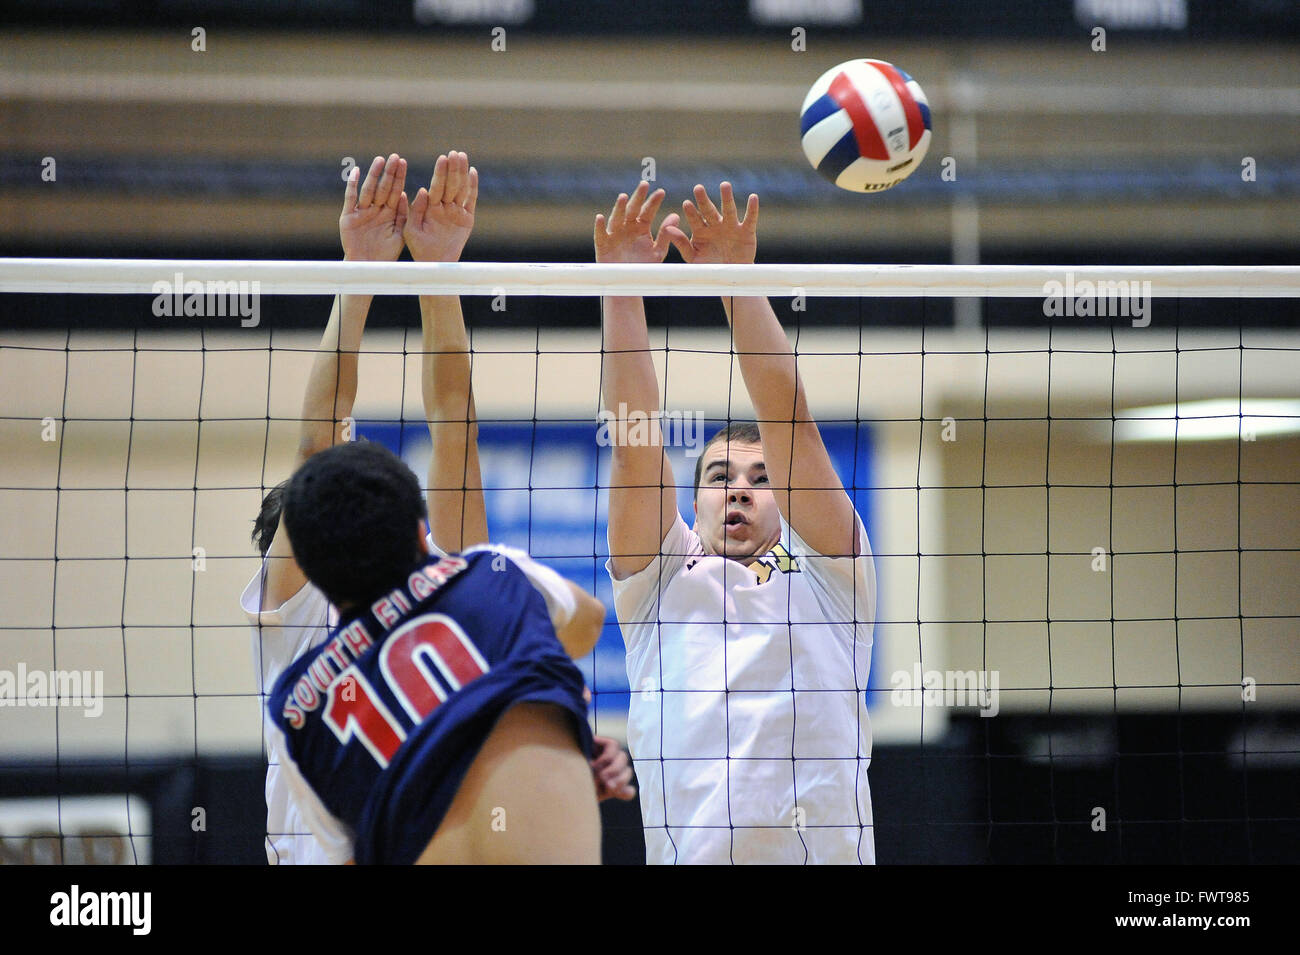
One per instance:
(447, 389)
(627, 372)
(457, 517)
(445, 377)
(332, 385)
(767, 362)
(641, 495)
(816, 505)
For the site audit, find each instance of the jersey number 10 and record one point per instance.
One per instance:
(407, 661)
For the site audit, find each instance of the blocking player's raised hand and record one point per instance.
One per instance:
(627, 236)
(718, 236)
(442, 216)
(375, 211)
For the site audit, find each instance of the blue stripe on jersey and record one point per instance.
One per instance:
(843, 154)
(818, 110)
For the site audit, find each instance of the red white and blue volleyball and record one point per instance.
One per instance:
(865, 125)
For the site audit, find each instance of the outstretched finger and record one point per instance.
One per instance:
(751, 212)
(693, 217)
(618, 215)
(438, 184)
(728, 201)
(399, 184)
(372, 180)
(665, 236)
(637, 200)
(418, 206)
(651, 207)
(403, 211)
(472, 201)
(707, 208)
(350, 193)
(462, 181)
(681, 242)
(457, 178)
(385, 188)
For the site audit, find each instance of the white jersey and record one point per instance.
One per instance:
(747, 723)
(280, 636)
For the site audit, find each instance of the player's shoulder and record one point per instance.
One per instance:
(485, 568)
(499, 557)
(684, 543)
(843, 579)
(796, 546)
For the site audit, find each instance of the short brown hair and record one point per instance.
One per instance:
(268, 519)
(739, 432)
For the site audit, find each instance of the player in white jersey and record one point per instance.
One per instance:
(749, 634)
(289, 614)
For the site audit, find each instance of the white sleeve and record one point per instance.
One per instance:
(560, 600)
(636, 598)
(434, 549)
(281, 634)
(333, 836)
(848, 584)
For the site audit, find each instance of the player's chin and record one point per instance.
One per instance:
(741, 550)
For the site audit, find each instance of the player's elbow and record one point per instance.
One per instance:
(636, 465)
(580, 635)
(452, 415)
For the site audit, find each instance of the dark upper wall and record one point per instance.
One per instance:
(1061, 153)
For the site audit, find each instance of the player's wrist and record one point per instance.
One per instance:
(436, 256)
(362, 257)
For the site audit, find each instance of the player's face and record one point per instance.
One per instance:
(735, 511)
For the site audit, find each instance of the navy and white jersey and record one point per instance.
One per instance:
(377, 727)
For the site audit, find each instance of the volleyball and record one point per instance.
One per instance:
(865, 125)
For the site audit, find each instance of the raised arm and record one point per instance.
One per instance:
(642, 496)
(437, 229)
(370, 227)
(808, 491)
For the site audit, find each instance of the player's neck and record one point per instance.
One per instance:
(747, 560)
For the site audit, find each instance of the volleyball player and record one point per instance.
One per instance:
(298, 615)
(289, 615)
(444, 720)
(748, 634)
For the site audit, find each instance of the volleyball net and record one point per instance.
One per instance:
(1082, 508)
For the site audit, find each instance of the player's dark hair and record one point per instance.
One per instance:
(268, 520)
(353, 515)
(739, 432)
